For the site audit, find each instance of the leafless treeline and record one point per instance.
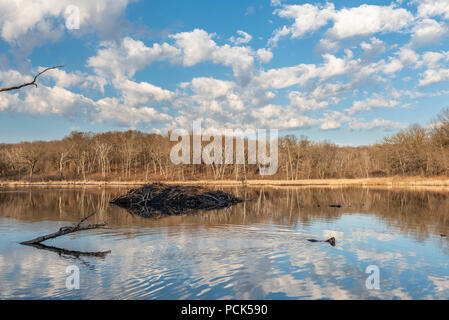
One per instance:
(134, 155)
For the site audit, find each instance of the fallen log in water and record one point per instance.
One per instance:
(63, 231)
(66, 230)
(159, 199)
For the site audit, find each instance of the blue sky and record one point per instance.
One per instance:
(349, 72)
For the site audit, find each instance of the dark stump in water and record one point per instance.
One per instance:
(158, 199)
(331, 241)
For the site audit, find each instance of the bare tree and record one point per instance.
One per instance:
(29, 155)
(102, 150)
(64, 158)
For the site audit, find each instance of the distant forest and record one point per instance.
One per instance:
(134, 155)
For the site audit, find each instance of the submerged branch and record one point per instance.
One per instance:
(36, 243)
(63, 231)
(331, 241)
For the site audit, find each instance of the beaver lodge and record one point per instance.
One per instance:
(152, 200)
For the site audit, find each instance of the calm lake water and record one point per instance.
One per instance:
(257, 250)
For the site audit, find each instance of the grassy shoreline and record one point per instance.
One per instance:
(408, 182)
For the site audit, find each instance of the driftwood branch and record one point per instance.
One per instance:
(32, 82)
(63, 231)
(85, 218)
(66, 230)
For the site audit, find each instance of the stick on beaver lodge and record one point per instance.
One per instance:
(158, 199)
